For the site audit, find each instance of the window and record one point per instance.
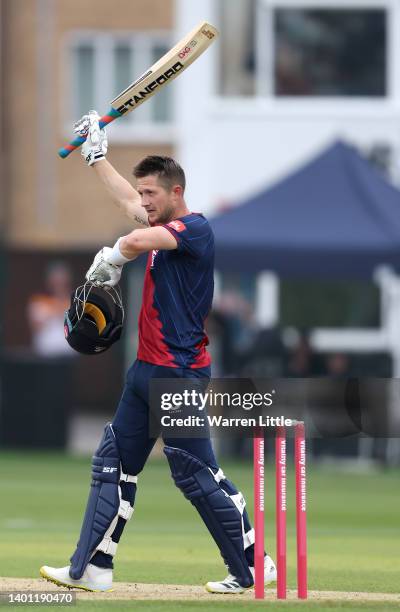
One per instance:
(237, 48)
(103, 65)
(271, 49)
(329, 52)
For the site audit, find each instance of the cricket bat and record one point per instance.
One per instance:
(166, 69)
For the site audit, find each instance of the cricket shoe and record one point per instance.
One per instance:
(93, 579)
(231, 585)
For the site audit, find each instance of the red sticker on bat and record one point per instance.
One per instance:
(178, 226)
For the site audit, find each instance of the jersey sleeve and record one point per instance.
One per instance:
(194, 235)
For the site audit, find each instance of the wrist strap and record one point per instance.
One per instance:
(115, 257)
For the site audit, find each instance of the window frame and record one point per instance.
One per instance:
(265, 51)
(103, 42)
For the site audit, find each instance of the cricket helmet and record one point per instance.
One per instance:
(94, 319)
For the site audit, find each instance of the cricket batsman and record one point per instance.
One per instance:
(177, 296)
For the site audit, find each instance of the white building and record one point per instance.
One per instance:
(286, 78)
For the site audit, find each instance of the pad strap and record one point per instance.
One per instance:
(128, 478)
(125, 511)
(249, 538)
(218, 476)
(107, 546)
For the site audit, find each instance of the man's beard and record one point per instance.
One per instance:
(166, 215)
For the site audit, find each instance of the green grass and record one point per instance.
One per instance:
(198, 606)
(353, 529)
(166, 606)
(163, 606)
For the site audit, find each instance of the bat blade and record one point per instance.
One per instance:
(165, 70)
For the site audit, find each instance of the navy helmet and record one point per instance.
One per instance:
(94, 319)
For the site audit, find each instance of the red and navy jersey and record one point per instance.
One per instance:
(177, 296)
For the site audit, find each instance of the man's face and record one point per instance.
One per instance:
(158, 202)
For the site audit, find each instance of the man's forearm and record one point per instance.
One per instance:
(121, 192)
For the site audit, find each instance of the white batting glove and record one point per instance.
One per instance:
(106, 268)
(103, 273)
(95, 147)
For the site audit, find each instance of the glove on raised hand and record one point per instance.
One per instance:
(96, 144)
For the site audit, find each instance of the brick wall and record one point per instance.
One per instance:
(53, 203)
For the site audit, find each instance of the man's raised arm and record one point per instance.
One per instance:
(121, 192)
(94, 151)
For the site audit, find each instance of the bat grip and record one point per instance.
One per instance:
(79, 140)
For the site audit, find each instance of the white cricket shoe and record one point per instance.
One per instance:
(93, 579)
(231, 585)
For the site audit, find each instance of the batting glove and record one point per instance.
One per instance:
(96, 144)
(106, 268)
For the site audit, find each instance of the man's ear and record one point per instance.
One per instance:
(177, 190)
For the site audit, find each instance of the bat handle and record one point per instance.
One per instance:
(74, 144)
